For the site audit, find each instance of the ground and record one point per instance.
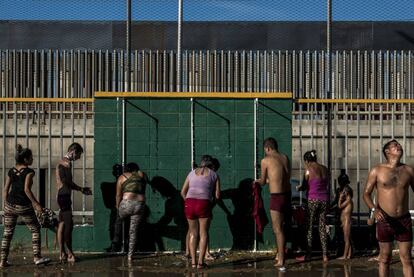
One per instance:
(227, 263)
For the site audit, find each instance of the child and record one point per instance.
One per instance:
(346, 205)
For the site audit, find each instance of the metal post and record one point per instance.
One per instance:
(179, 36)
(328, 82)
(192, 133)
(256, 173)
(127, 88)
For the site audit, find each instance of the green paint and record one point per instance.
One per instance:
(158, 134)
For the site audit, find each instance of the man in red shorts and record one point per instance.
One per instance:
(275, 171)
(392, 180)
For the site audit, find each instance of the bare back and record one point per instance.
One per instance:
(276, 170)
(392, 185)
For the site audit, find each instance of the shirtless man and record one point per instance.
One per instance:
(392, 180)
(275, 169)
(65, 185)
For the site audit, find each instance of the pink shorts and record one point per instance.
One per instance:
(197, 208)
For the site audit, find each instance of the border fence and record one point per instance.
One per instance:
(78, 73)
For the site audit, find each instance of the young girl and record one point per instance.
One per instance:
(20, 201)
(346, 205)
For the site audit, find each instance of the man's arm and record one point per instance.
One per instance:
(263, 175)
(369, 188)
(66, 179)
(412, 178)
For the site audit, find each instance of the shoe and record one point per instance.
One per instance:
(4, 264)
(42, 260)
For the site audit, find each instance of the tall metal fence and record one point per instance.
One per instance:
(48, 127)
(359, 129)
(78, 73)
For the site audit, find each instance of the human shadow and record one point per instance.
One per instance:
(108, 190)
(173, 212)
(240, 221)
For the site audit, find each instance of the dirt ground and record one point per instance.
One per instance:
(227, 263)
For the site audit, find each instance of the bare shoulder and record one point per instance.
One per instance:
(409, 169)
(377, 169)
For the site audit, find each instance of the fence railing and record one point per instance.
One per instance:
(48, 126)
(78, 73)
(360, 128)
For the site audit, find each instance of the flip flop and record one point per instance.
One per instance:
(42, 260)
(5, 264)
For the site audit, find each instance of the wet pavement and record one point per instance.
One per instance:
(226, 264)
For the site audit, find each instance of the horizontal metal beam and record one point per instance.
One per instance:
(356, 101)
(47, 100)
(220, 95)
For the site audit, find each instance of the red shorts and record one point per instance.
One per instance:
(197, 208)
(281, 202)
(395, 228)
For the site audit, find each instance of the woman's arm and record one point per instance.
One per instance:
(28, 190)
(218, 188)
(184, 190)
(119, 182)
(7, 186)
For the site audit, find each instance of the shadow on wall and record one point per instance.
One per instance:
(241, 222)
(173, 212)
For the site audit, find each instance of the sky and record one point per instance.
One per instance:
(208, 10)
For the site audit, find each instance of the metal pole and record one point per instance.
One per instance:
(328, 82)
(256, 173)
(128, 81)
(127, 88)
(179, 36)
(192, 133)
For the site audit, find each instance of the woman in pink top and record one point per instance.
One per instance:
(316, 182)
(201, 186)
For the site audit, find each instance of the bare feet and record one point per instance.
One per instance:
(202, 266)
(342, 258)
(209, 257)
(279, 264)
(63, 258)
(373, 259)
(72, 259)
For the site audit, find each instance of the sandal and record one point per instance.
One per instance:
(42, 260)
(202, 266)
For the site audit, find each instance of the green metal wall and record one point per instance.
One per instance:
(159, 136)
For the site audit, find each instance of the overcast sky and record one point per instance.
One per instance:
(208, 10)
